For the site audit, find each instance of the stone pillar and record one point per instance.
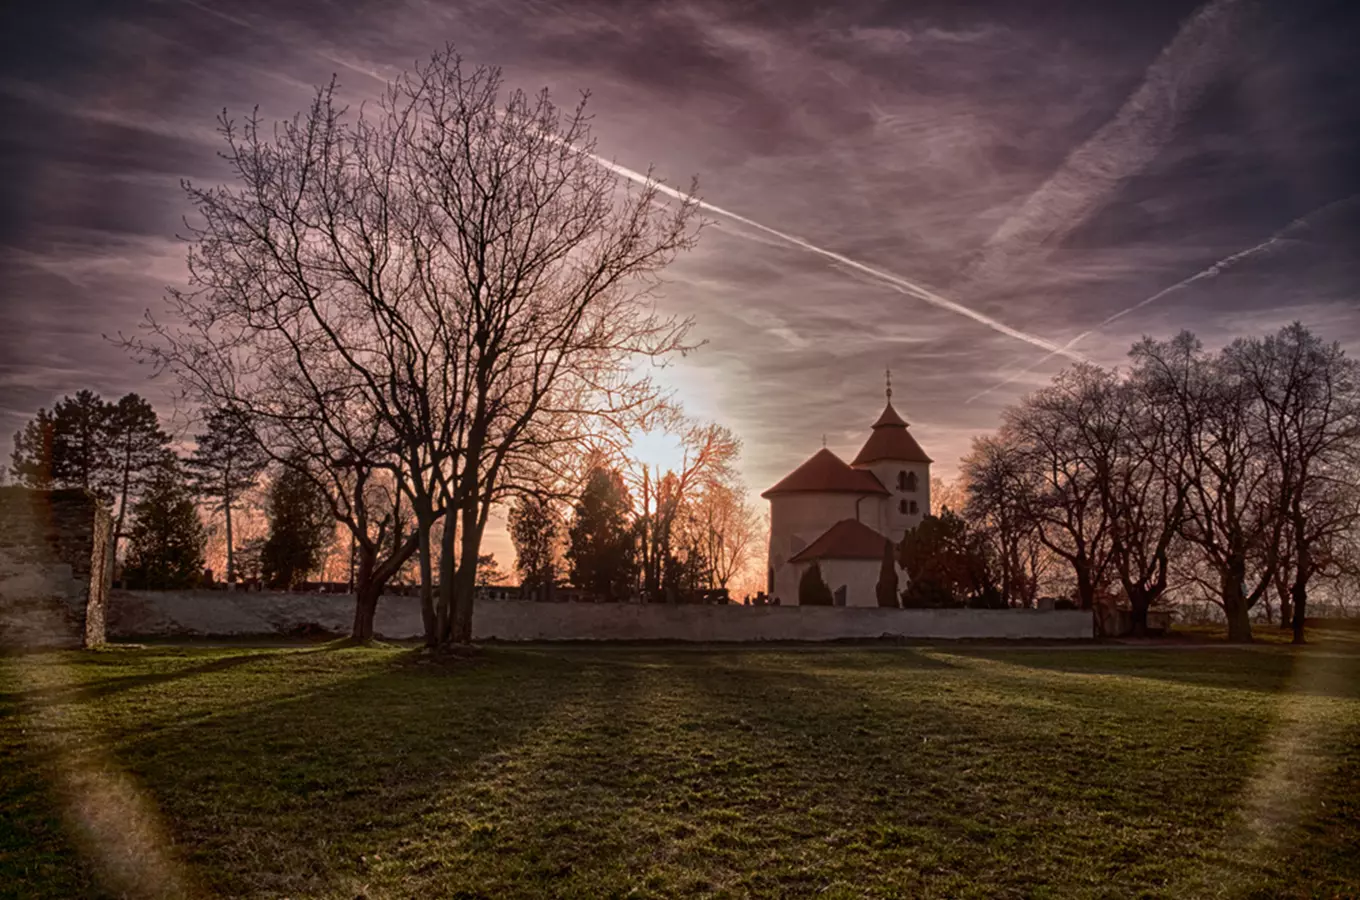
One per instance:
(56, 568)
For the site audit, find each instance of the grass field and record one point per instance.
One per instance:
(673, 772)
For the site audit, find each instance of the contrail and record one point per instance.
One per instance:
(1212, 271)
(896, 282)
(1123, 146)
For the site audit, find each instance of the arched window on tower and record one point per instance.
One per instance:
(901, 481)
(908, 482)
(914, 508)
(902, 507)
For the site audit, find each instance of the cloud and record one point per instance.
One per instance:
(1122, 147)
(1275, 242)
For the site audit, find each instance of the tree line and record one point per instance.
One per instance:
(685, 531)
(119, 453)
(636, 532)
(1232, 476)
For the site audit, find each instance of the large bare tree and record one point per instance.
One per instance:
(447, 287)
(997, 487)
(1233, 513)
(1307, 412)
(1052, 430)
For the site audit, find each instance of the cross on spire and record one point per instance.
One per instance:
(888, 374)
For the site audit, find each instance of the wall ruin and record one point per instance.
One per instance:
(56, 553)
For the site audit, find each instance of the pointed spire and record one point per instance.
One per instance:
(888, 374)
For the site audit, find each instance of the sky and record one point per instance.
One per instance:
(973, 195)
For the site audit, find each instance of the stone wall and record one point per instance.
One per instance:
(221, 613)
(56, 551)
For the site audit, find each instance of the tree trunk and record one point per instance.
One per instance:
(428, 619)
(1138, 609)
(1235, 604)
(465, 589)
(448, 571)
(122, 503)
(1299, 593)
(366, 590)
(231, 555)
(1086, 590)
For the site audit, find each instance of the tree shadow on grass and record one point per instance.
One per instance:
(292, 796)
(95, 689)
(1271, 672)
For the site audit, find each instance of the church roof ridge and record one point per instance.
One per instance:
(825, 472)
(847, 539)
(890, 440)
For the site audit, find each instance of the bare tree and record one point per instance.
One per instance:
(724, 528)
(1139, 456)
(1052, 429)
(997, 487)
(1307, 413)
(1234, 492)
(450, 290)
(707, 455)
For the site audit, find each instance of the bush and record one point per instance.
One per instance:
(812, 590)
(926, 593)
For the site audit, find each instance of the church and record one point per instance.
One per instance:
(839, 514)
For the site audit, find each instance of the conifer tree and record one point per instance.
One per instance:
(301, 528)
(165, 548)
(602, 539)
(136, 447)
(812, 589)
(226, 465)
(887, 578)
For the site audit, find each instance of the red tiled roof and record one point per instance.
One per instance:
(890, 417)
(847, 539)
(827, 473)
(890, 440)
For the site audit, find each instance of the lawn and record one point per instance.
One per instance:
(932, 771)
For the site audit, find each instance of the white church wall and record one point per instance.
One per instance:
(859, 577)
(892, 521)
(796, 520)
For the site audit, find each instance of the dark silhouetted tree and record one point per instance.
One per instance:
(537, 534)
(946, 564)
(813, 589)
(136, 446)
(68, 447)
(602, 538)
(226, 465)
(489, 571)
(31, 459)
(165, 543)
(301, 528)
(887, 578)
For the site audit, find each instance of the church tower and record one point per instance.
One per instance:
(894, 457)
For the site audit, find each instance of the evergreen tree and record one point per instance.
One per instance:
(812, 589)
(68, 447)
(947, 565)
(301, 528)
(489, 571)
(602, 540)
(165, 549)
(887, 578)
(31, 459)
(137, 448)
(225, 465)
(535, 531)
